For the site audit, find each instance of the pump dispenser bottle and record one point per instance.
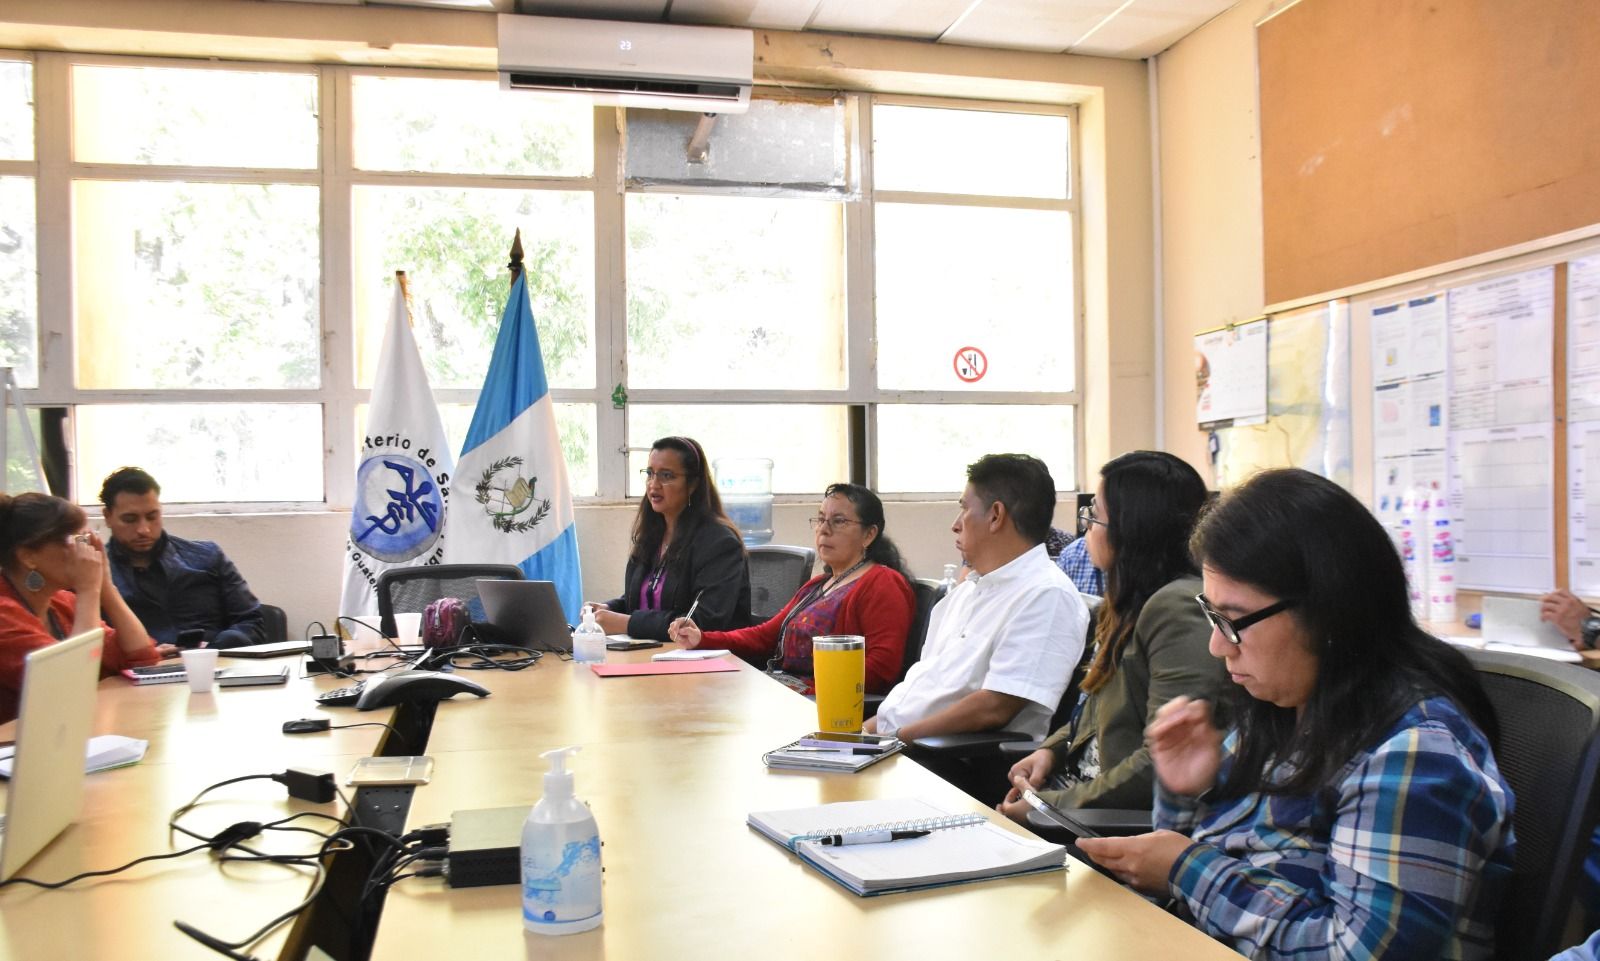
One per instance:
(560, 857)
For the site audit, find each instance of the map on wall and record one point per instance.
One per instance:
(1308, 401)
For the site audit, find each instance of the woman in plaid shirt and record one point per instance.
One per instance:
(1353, 809)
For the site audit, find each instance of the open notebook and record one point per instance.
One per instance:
(958, 847)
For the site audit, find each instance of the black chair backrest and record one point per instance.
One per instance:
(1549, 749)
(274, 623)
(407, 590)
(776, 573)
(927, 593)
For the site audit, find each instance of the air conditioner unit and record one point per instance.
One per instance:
(652, 65)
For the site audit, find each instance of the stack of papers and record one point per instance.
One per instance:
(957, 848)
(697, 654)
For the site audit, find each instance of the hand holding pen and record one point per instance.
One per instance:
(683, 630)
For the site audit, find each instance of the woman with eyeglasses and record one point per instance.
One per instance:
(685, 549)
(1150, 639)
(56, 584)
(1352, 807)
(863, 589)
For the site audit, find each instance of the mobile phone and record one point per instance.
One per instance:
(630, 645)
(240, 677)
(826, 738)
(193, 637)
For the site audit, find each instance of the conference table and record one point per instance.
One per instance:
(670, 766)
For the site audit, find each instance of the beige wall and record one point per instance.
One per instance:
(1210, 202)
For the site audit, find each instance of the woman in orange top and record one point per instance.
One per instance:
(56, 584)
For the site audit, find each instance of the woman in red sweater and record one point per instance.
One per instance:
(54, 583)
(863, 590)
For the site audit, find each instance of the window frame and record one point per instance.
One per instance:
(54, 171)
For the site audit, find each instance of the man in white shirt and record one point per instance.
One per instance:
(1001, 646)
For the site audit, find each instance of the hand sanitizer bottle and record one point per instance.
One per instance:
(560, 857)
(589, 641)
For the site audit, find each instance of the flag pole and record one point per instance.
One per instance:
(515, 266)
(405, 295)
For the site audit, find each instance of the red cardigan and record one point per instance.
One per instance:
(879, 607)
(21, 632)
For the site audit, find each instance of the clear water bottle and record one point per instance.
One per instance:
(589, 641)
(948, 581)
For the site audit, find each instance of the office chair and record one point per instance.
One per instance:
(977, 761)
(1548, 751)
(274, 623)
(927, 593)
(407, 590)
(776, 573)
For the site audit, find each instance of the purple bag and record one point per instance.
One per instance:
(443, 622)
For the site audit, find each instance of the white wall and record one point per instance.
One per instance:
(295, 560)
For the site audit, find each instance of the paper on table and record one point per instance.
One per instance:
(662, 667)
(103, 753)
(681, 655)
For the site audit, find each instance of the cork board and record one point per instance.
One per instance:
(1397, 135)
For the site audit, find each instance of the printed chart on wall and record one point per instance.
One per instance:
(1500, 416)
(1583, 425)
(1230, 372)
(1410, 435)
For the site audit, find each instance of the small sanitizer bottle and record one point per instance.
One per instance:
(560, 857)
(589, 641)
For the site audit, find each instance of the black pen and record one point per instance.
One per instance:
(873, 837)
(841, 749)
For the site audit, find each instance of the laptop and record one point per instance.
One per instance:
(53, 723)
(526, 612)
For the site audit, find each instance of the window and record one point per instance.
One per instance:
(850, 286)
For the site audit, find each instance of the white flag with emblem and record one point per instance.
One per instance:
(403, 477)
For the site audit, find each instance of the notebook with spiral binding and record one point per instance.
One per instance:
(958, 848)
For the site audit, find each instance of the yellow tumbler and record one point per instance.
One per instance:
(839, 662)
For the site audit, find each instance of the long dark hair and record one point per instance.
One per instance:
(1296, 536)
(869, 509)
(704, 506)
(32, 519)
(1153, 499)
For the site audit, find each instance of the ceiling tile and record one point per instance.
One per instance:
(755, 14)
(1030, 24)
(1148, 27)
(923, 19)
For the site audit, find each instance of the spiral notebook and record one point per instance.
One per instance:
(957, 849)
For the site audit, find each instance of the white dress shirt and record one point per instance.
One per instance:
(1017, 630)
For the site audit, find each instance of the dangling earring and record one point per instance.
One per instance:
(34, 581)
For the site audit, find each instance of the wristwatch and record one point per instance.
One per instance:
(1590, 626)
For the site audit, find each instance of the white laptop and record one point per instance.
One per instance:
(527, 612)
(53, 723)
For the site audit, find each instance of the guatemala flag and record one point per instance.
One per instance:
(404, 473)
(511, 500)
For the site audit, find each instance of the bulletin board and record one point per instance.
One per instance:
(1373, 119)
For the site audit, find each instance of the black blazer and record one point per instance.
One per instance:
(713, 565)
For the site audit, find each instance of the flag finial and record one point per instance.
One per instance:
(515, 266)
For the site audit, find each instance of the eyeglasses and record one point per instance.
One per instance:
(1230, 627)
(1086, 517)
(666, 477)
(831, 524)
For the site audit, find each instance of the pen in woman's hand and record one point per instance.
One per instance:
(690, 616)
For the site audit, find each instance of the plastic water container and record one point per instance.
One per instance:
(745, 484)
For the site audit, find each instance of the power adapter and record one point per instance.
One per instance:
(307, 785)
(485, 847)
(326, 647)
(344, 665)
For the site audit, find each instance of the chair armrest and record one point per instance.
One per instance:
(1021, 748)
(870, 705)
(964, 745)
